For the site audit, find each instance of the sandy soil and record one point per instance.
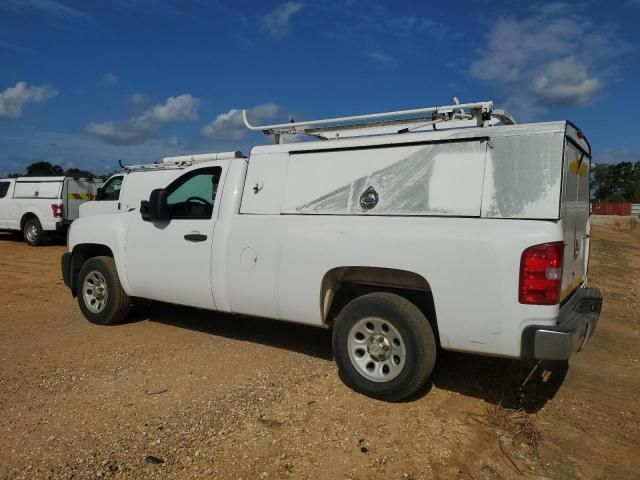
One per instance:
(181, 393)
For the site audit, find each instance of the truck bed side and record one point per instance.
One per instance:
(470, 266)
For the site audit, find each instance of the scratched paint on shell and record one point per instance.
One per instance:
(523, 177)
(435, 180)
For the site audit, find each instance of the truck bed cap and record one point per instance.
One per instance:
(418, 136)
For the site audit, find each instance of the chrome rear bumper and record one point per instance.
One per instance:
(576, 323)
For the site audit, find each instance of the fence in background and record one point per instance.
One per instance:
(635, 209)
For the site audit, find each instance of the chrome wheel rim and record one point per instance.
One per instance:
(32, 232)
(95, 292)
(376, 349)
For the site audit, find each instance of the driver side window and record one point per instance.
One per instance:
(193, 195)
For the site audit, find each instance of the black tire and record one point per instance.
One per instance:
(32, 232)
(116, 301)
(418, 342)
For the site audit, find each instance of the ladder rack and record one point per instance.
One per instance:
(183, 161)
(479, 114)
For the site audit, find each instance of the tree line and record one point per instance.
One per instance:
(616, 183)
(46, 169)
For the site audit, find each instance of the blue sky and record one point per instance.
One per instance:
(88, 83)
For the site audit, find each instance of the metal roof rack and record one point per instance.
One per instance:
(479, 114)
(183, 161)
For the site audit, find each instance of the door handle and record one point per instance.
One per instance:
(195, 237)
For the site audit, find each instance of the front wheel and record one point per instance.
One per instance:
(384, 346)
(101, 297)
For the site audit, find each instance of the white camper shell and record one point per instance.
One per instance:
(527, 172)
(37, 206)
(460, 229)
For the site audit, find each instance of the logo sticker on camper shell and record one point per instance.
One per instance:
(369, 198)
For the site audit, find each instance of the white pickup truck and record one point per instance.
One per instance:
(39, 206)
(450, 231)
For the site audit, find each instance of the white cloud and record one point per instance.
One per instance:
(121, 133)
(380, 58)
(553, 57)
(13, 99)
(48, 7)
(230, 126)
(277, 22)
(139, 128)
(137, 100)
(174, 109)
(109, 79)
(566, 81)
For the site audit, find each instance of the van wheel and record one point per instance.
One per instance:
(101, 297)
(384, 346)
(32, 232)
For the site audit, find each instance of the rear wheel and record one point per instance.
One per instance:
(101, 297)
(32, 232)
(384, 346)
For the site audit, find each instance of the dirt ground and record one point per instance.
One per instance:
(181, 393)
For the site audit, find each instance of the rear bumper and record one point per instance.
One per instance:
(62, 226)
(576, 323)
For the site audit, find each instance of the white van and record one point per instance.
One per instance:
(37, 206)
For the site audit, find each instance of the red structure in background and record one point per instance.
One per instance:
(611, 208)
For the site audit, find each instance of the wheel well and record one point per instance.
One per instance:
(82, 253)
(341, 285)
(25, 218)
(90, 250)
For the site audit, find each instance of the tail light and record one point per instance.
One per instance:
(57, 209)
(541, 274)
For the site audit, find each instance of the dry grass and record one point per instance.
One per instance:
(630, 225)
(517, 424)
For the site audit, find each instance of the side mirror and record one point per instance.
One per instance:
(156, 208)
(100, 194)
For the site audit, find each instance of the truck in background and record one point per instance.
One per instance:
(125, 190)
(41, 206)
